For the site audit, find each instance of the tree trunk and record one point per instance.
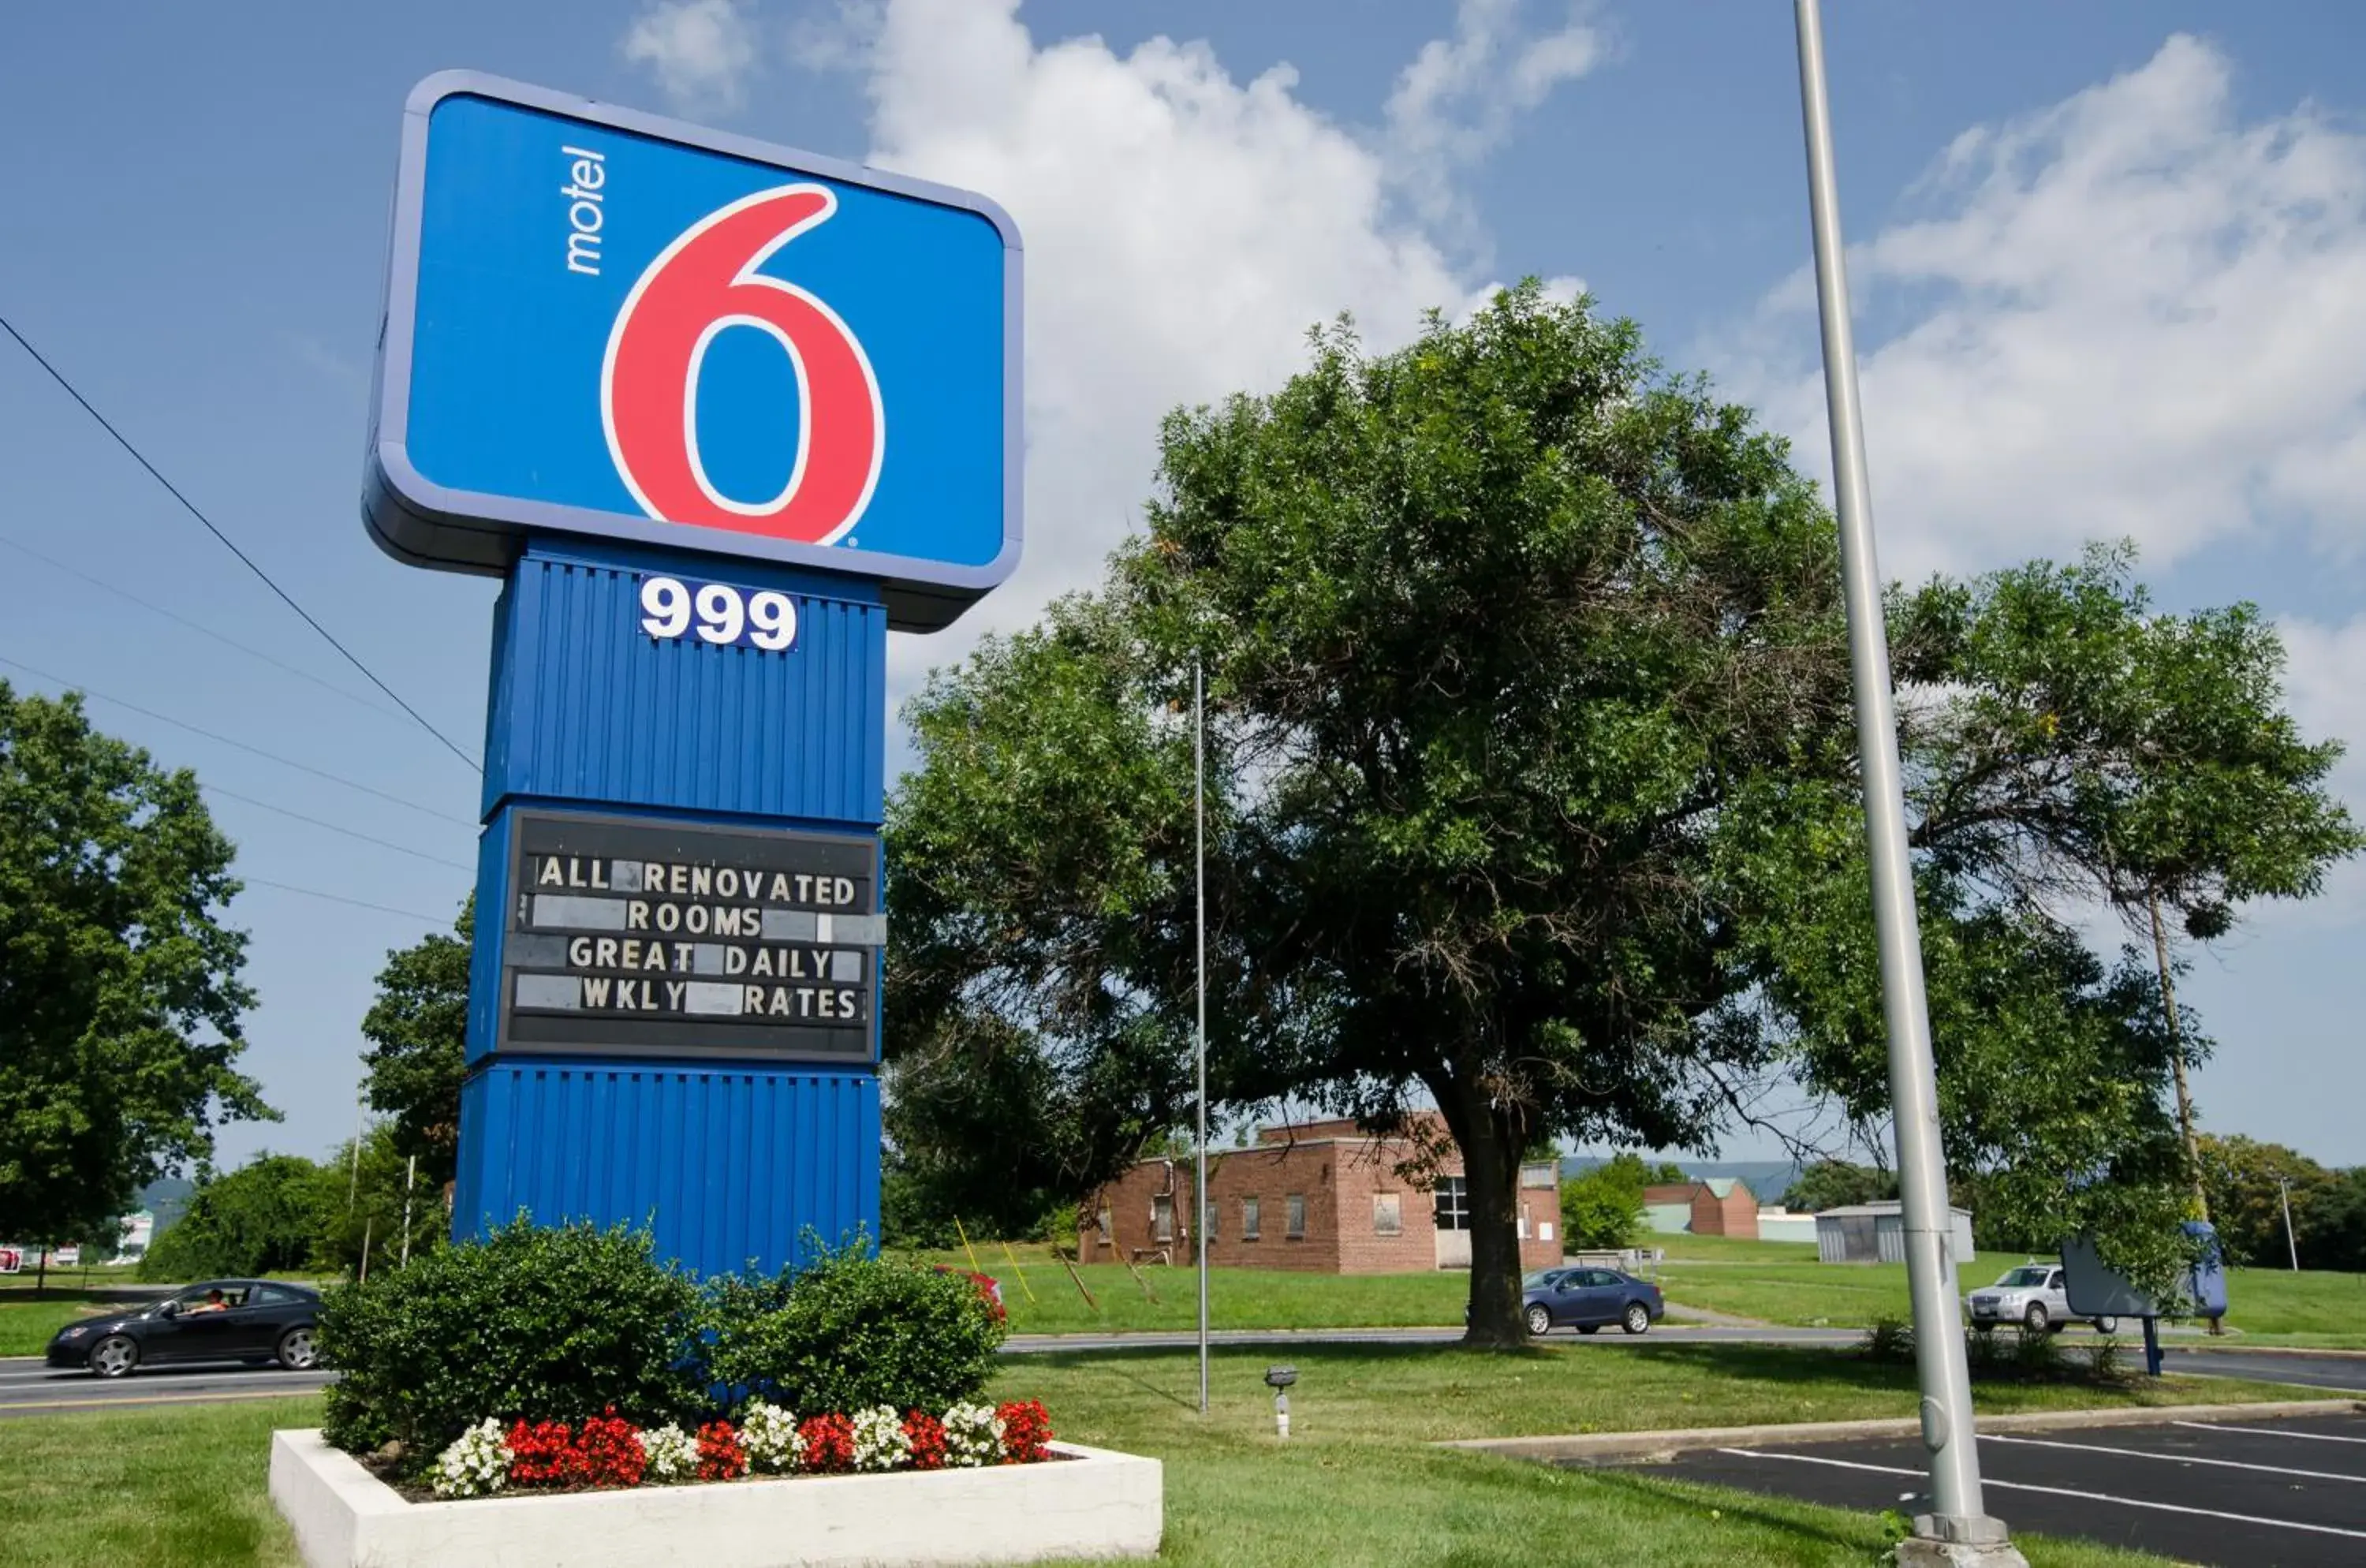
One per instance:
(2177, 1059)
(1491, 1172)
(2177, 1067)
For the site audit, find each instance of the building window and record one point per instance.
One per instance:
(1162, 1218)
(1524, 1221)
(1388, 1215)
(1212, 1207)
(1249, 1217)
(1294, 1221)
(1452, 1200)
(1107, 1223)
(1540, 1173)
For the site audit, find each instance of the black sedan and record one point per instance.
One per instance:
(1587, 1299)
(220, 1320)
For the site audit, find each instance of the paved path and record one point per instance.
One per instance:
(29, 1388)
(2286, 1491)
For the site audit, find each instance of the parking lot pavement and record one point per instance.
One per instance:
(2280, 1493)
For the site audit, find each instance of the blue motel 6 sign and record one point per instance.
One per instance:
(605, 325)
(720, 415)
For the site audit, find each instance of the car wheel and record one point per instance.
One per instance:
(296, 1351)
(1637, 1319)
(1539, 1321)
(1588, 1329)
(114, 1355)
(2033, 1319)
(2107, 1326)
(1983, 1328)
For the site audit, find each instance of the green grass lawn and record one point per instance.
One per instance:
(1237, 1298)
(1357, 1483)
(26, 1326)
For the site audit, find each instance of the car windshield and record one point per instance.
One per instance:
(2030, 1276)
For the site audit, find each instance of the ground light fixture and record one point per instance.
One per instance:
(1278, 1379)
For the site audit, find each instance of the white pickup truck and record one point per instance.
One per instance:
(2032, 1297)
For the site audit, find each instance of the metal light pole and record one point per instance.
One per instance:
(2291, 1243)
(1200, 884)
(1958, 1528)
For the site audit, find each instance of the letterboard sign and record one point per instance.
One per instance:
(638, 936)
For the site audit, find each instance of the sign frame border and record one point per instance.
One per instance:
(423, 524)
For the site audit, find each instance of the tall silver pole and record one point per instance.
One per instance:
(1957, 1528)
(1200, 883)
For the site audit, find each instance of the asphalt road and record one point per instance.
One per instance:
(2264, 1494)
(29, 1388)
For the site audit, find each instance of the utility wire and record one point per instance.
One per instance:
(341, 898)
(199, 627)
(335, 828)
(189, 506)
(239, 745)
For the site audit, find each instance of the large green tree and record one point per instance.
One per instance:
(120, 1004)
(418, 1034)
(269, 1216)
(1532, 796)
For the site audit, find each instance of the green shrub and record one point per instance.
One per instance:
(852, 1330)
(1889, 1339)
(533, 1323)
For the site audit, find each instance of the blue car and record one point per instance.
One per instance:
(1588, 1299)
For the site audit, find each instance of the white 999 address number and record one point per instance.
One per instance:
(718, 614)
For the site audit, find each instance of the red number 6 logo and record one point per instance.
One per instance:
(706, 281)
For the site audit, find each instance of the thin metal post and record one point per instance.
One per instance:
(2291, 1243)
(1957, 1517)
(409, 1179)
(353, 1179)
(1200, 884)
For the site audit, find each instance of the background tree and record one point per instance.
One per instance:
(1604, 1206)
(2093, 747)
(2240, 1178)
(2337, 1237)
(418, 1034)
(364, 1205)
(1836, 1183)
(265, 1217)
(1533, 797)
(119, 996)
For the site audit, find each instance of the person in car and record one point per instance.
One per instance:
(213, 1302)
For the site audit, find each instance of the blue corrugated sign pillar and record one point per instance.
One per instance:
(732, 1159)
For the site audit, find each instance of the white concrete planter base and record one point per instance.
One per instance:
(1094, 1502)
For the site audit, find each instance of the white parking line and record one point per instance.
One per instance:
(2176, 1459)
(2061, 1492)
(2271, 1432)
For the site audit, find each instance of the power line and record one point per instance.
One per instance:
(239, 745)
(334, 828)
(341, 898)
(199, 627)
(190, 506)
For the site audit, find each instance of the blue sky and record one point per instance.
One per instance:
(2111, 261)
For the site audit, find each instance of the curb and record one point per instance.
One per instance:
(1667, 1444)
(2210, 1350)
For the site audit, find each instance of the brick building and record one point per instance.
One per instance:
(1718, 1206)
(1319, 1196)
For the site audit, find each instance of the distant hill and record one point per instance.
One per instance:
(1768, 1178)
(167, 1199)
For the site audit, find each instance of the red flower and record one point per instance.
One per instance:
(720, 1455)
(830, 1444)
(544, 1454)
(927, 1435)
(1026, 1431)
(608, 1451)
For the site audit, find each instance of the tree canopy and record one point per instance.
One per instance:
(1532, 796)
(418, 1034)
(120, 1002)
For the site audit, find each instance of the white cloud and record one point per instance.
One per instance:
(1184, 228)
(2128, 314)
(702, 52)
(1458, 99)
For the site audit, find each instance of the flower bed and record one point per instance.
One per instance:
(609, 1453)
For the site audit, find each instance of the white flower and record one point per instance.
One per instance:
(673, 1453)
(476, 1463)
(973, 1436)
(879, 1439)
(769, 1434)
